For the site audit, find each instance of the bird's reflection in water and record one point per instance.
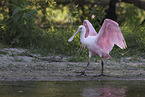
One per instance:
(102, 90)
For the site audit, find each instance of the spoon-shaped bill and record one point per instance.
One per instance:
(73, 36)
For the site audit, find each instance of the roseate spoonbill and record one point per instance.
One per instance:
(102, 43)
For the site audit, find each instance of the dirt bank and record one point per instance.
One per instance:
(19, 65)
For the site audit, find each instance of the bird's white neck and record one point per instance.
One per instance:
(82, 37)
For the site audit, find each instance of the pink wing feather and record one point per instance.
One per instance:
(110, 34)
(90, 31)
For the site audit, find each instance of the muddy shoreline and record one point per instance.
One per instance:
(17, 65)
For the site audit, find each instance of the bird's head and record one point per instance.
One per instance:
(80, 29)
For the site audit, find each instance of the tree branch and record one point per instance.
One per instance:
(138, 3)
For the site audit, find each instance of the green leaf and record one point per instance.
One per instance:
(17, 18)
(25, 16)
(16, 10)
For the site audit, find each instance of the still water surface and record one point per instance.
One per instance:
(72, 89)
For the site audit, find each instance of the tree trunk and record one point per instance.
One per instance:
(10, 7)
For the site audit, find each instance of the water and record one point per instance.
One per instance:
(73, 89)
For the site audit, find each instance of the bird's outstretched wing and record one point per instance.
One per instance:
(110, 34)
(90, 31)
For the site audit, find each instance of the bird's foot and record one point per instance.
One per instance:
(82, 73)
(100, 75)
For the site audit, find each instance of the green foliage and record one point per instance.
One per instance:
(97, 17)
(133, 30)
(56, 41)
(21, 30)
(133, 16)
(135, 38)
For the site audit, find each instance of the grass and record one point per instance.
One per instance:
(135, 39)
(55, 42)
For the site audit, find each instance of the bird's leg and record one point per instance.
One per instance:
(102, 63)
(83, 72)
(102, 69)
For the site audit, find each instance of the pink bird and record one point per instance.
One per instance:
(102, 43)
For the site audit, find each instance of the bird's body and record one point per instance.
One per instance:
(94, 49)
(89, 42)
(102, 43)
